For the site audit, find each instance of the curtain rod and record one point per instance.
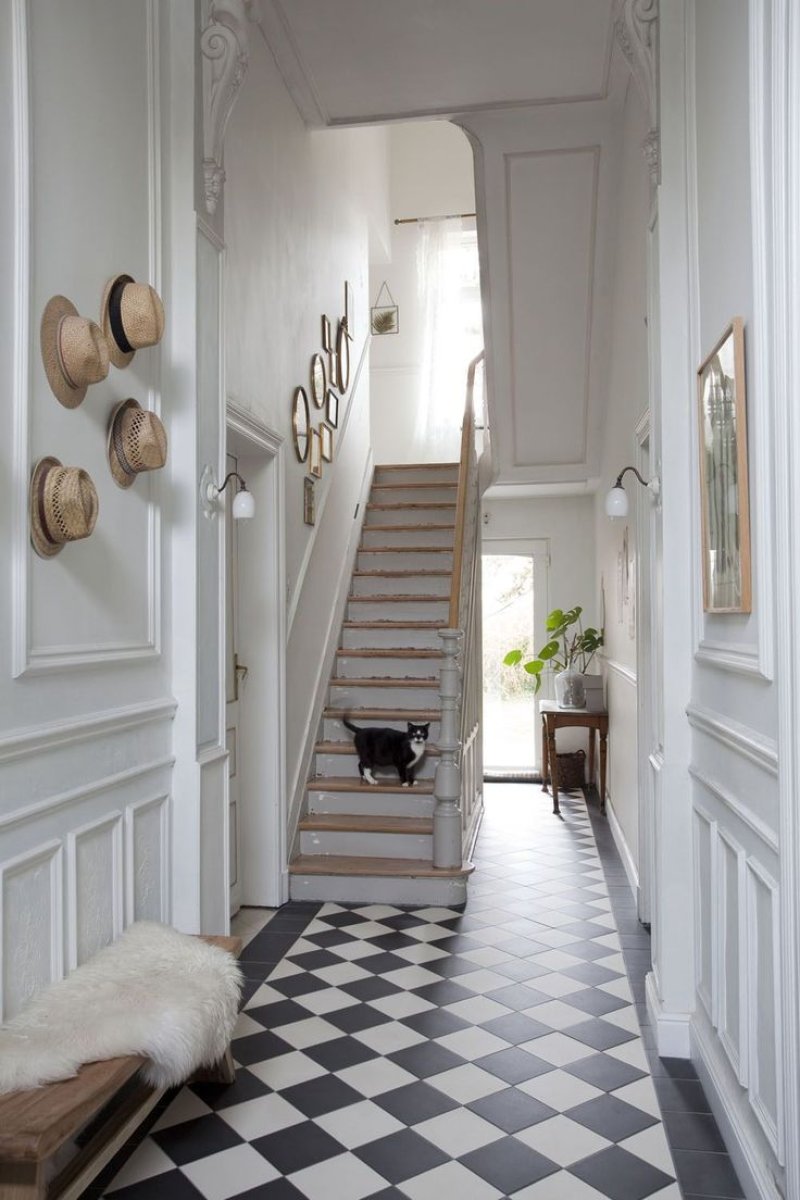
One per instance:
(446, 217)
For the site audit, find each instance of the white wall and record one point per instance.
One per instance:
(617, 540)
(431, 173)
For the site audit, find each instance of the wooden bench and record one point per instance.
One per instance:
(100, 1109)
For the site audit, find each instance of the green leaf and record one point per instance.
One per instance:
(534, 667)
(549, 650)
(512, 658)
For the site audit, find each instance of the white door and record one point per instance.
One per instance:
(234, 673)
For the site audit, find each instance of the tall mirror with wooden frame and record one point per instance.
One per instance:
(342, 358)
(300, 423)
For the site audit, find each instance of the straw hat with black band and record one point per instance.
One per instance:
(74, 351)
(137, 442)
(132, 317)
(63, 506)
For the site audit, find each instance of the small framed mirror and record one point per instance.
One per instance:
(315, 461)
(300, 423)
(319, 380)
(342, 357)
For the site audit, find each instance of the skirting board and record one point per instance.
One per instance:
(623, 848)
(730, 1108)
(671, 1029)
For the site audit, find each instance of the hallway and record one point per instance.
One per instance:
(428, 1054)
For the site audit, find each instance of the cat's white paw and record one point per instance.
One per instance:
(405, 784)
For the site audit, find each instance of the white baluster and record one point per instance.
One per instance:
(447, 784)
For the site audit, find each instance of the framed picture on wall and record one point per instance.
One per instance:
(332, 408)
(315, 454)
(309, 505)
(326, 433)
(349, 315)
(327, 344)
(724, 494)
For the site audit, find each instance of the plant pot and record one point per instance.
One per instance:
(570, 689)
(593, 686)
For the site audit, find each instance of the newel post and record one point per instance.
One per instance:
(447, 827)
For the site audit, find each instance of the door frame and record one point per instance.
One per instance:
(262, 638)
(645, 676)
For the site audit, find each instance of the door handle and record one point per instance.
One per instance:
(240, 668)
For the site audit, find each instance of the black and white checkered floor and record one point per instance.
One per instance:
(430, 1054)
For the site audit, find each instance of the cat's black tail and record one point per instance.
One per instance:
(353, 728)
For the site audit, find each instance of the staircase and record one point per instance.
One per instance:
(365, 843)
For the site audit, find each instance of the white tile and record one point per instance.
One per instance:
(389, 1037)
(556, 938)
(466, 1083)
(447, 1181)
(671, 1192)
(245, 1026)
(266, 1114)
(458, 1132)
(555, 1013)
(608, 939)
(631, 1053)
(478, 1009)
(557, 1048)
(422, 952)
(619, 988)
(185, 1107)
(411, 977)
(486, 956)
(376, 912)
(326, 1000)
(557, 985)
(482, 981)
(328, 908)
(491, 936)
(303, 946)
(285, 969)
(428, 933)
(353, 951)
(641, 1094)
(311, 1032)
(613, 962)
(285, 1070)
(560, 1090)
(342, 1178)
(218, 1176)
(624, 1018)
(375, 1077)
(368, 929)
(472, 1043)
(562, 1140)
(250, 921)
(555, 960)
(339, 973)
(651, 1145)
(401, 1004)
(265, 995)
(358, 1124)
(561, 1186)
(432, 913)
(147, 1160)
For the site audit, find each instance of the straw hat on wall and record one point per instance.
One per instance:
(63, 506)
(74, 351)
(137, 441)
(132, 317)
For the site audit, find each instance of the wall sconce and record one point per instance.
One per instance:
(244, 506)
(617, 497)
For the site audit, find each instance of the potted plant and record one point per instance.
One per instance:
(569, 651)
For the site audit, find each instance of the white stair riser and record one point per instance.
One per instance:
(404, 494)
(370, 609)
(366, 845)
(396, 696)
(363, 639)
(413, 474)
(396, 668)
(356, 889)
(408, 537)
(410, 516)
(407, 560)
(406, 585)
(346, 766)
(369, 803)
(334, 730)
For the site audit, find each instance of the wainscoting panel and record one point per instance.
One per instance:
(732, 954)
(95, 887)
(704, 872)
(765, 1029)
(147, 860)
(30, 900)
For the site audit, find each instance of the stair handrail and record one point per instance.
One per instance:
(467, 459)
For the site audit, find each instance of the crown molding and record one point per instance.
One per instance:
(224, 47)
(636, 32)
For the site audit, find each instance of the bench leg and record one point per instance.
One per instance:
(23, 1181)
(221, 1072)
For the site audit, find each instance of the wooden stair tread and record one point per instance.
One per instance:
(391, 624)
(387, 681)
(354, 783)
(421, 484)
(354, 823)
(408, 573)
(338, 864)
(377, 528)
(394, 505)
(348, 748)
(416, 466)
(404, 549)
(384, 714)
(416, 598)
(390, 652)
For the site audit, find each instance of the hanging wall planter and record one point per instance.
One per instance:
(384, 314)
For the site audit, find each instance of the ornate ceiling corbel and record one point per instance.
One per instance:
(636, 30)
(224, 49)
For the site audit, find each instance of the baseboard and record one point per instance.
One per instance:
(732, 1112)
(671, 1029)
(623, 848)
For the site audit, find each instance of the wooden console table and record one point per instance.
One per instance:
(554, 718)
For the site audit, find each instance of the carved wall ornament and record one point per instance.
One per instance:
(224, 49)
(636, 31)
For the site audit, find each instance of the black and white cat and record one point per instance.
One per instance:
(378, 747)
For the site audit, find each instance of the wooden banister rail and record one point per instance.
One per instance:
(467, 451)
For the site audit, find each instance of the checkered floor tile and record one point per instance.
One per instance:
(427, 1053)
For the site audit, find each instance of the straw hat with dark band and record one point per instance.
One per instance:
(132, 317)
(74, 351)
(63, 506)
(137, 441)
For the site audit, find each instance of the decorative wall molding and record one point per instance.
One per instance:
(59, 734)
(636, 31)
(744, 814)
(31, 925)
(771, 1120)
(747, 742)
(112, 904)
(705, 872)
(740, 657)
(672, 1028)
(622, 846)
(732, 1035)
(620, 669)
(141, 874)
(224, 47)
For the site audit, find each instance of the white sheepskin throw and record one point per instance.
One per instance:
(154, 992)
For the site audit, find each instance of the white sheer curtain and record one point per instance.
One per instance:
(448, 283)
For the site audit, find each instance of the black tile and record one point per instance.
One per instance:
(599, 1034)
(523, 947)
(426, 1058)
(620, 1175)
(330, 937)
(323, 1095)
(435, 1023)
(592, 973)
(382, 962)
(356, 1018)
(339, 919)
(340, 1053)
(520, 969)
(374, 988)
(511, 1110)
(680, 1095)
(443, 992)
(393, 941)
(508, 1165)
(706, 1174)
(516, 1028)
(611, 1117)
(260, 1046)
(279, 1189)
(171, 1185)
(269, 947)
(675, 1068)
(415, 1102)
(594, 1001)
(514, 1065)
(282, 1012)
(298, 985)
(196, 1139)
(589, 951)
(314, 960)
(693, 1131)
(603, 1071)
(401, 1155)
(297, 1147)
(519, 996)
(246, 1086)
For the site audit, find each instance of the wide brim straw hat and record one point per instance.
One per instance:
(63, 506)
(75, 353)
(137, 442)
(131, 316)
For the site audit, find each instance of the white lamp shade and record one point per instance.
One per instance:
(244, 506)
(617, 502)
